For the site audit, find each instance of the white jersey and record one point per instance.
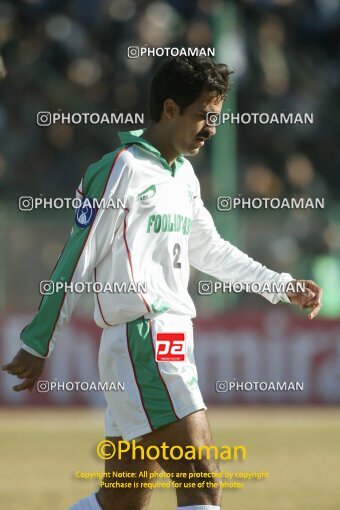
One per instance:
(151, 227)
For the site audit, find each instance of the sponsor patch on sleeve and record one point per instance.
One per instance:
(85, 213)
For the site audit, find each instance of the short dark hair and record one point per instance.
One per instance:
(183, 79)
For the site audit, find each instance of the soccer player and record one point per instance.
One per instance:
(163, 229)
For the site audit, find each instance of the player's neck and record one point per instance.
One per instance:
(160, 140)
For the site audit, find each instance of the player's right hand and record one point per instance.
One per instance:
(25, 366)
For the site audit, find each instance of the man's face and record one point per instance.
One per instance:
(189, 129)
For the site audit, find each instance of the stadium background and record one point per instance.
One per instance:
(72, 56)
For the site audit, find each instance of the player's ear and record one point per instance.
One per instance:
(170, 109)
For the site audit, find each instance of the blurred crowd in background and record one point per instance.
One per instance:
(71, 55)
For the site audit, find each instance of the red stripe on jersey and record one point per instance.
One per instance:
(130, 261)
(97, 296)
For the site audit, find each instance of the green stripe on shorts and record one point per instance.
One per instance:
(154, 395)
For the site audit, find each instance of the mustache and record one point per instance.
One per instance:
(204, 134)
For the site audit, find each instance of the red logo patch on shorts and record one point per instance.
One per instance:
(170, 347)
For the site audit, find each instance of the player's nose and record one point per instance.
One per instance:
(211, 130)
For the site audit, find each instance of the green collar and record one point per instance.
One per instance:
(136, 137)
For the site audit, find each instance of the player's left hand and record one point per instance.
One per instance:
(311, 298)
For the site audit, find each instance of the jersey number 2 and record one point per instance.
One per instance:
(176, 254)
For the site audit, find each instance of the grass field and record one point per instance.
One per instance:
(300, 448)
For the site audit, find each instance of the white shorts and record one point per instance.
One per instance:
(155, 393)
